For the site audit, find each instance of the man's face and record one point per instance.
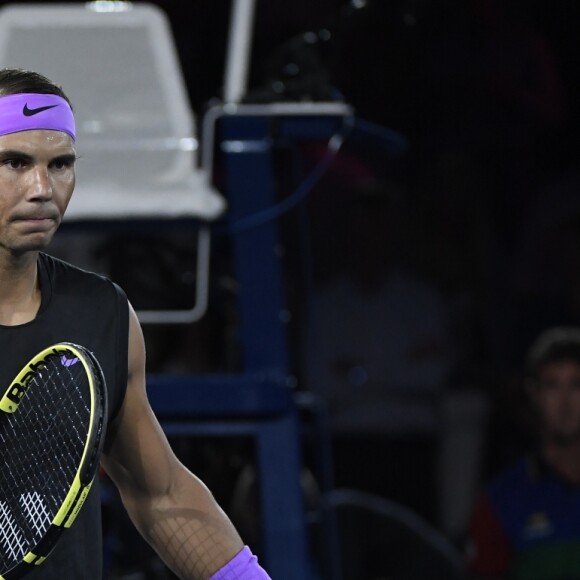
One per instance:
(37, 178)
(556, 396)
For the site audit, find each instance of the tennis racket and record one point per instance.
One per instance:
(51, 436)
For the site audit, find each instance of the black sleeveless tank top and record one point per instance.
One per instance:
(90, 310)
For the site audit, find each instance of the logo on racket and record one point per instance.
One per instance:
(11, 399)
(68, 361)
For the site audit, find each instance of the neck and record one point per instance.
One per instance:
(564, 458)
(19, 289)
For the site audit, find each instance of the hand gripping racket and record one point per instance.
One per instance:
(51, 436)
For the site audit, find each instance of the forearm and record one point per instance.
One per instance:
(171, 508)
(186, 528)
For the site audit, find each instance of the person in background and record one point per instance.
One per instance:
(379, 351)
(526, 522)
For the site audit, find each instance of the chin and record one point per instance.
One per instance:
(37, 245)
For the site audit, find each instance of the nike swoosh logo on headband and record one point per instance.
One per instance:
(30, 112)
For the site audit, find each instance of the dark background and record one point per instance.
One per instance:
(485, 197)
(485, 93)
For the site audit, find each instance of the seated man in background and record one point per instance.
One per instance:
(526, 523)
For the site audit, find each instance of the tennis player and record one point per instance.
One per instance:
(43, 301)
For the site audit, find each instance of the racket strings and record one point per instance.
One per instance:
(42, 445)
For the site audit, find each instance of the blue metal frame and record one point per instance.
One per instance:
(259, 400)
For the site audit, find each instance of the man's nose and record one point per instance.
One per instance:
(41, 184)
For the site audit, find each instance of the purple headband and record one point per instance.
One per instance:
(29, 111)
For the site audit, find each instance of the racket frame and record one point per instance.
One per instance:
(89, 462)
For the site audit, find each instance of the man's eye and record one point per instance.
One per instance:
(14, 163)
(59, 164)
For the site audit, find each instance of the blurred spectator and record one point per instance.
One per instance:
(380, 351)
(526, 522)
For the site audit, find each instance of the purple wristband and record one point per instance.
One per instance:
(243, 566)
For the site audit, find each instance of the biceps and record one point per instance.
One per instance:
(139, 459)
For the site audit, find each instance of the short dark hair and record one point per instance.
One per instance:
(14, 81)
(553, 345)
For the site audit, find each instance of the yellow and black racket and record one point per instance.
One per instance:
(52, 420)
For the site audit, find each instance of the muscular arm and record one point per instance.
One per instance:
(171, 508)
